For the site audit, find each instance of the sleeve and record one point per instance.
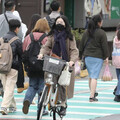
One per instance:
(99, 6)
(86, 6)
(81, 47)
(26, 43)
(74, 53)
(20, 34)
(19, 48)
(46, 49)
(104, 46)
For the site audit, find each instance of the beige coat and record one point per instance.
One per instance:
(72, 56)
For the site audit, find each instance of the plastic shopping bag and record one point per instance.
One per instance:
(107, 76)
(77, 68)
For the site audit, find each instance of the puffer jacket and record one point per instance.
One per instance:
(116, 53)
(16, 49)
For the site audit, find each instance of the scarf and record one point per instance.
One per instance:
(59, 47)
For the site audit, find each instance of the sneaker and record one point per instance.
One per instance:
(12, 109)
(62, 111)
(3, 111)
(45, 112)
(20, 90)
(26, 105)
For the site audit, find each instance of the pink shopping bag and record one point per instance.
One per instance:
(77, 68)
(107, 76)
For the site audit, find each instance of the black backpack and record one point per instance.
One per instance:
(31, 63)
(50, 21)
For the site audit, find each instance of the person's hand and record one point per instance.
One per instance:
(71, 63)
(88, 13)
(40, 56)
(106, 61)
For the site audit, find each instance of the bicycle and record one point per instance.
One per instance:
(54, 67)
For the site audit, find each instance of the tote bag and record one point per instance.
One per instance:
(64, 79)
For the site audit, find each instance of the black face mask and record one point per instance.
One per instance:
(60, 27)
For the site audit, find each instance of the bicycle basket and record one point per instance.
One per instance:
(53, 65)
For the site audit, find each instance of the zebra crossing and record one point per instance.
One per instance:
(79, 107)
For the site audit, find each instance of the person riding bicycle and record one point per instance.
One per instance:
(61, 43)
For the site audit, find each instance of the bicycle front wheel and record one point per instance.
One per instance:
(41, 104)
(54, 114)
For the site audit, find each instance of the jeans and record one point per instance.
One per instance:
(87, 20)
(36, 85)
(118, 84)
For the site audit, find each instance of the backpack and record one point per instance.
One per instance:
(50, 21)
(6, 55)
(31, 63)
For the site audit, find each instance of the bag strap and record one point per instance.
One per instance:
(86, 44)
(40, 39)
(13, 39)
(6, 18)
(48, 18)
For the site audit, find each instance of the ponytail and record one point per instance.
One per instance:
(93, 24)
(91, 27)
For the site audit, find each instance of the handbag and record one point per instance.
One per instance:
(83, 65)
(64, 79)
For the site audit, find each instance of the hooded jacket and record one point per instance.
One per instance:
(116, 53)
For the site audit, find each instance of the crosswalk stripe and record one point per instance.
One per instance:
(109, 98)
(106, 103)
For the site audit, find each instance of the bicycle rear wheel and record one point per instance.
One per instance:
(41, 104)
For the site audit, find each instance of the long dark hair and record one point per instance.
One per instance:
(93, 24)
(33, 20)
(67, 27)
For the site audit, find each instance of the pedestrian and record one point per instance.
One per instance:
(23, 25)
(34, 18)
(116, 63)
(117, 28)
(9, 80)
(94, 44)
(55, 12)
(4, 27)
(36, 77)
(62, 44)
(92, 7)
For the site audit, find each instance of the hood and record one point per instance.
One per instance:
(37, 35)
(116, 42)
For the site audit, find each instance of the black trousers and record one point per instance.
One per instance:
(20, 80)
